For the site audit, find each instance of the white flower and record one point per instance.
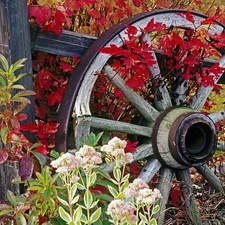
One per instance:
(147, 196)
(120, 210)
(133, 188)
(117, 143)
(65, 163)
(88, 157)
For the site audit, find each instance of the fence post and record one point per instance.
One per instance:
(14, 45)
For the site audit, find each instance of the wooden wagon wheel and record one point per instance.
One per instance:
(176, 137)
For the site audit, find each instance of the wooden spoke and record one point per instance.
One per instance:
(143, 151)
(148, 112)
(217, 116)
(112, 125)
(166, 176)
(183, 176)
(164, 101)
(208, 174)
(150, 169)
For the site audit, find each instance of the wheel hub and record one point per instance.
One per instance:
(183, 138)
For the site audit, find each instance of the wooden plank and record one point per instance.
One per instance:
(14, 45)
(67, 44)
(186, 187)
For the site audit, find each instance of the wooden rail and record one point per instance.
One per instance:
(68, 43)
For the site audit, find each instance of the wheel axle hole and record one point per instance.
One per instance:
(197, 140)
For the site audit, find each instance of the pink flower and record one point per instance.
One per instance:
(134, 188)
(148, 197)
(88, 157)
(65, 163)
(119, 210)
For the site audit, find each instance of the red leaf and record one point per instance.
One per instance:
(188, 16)
(21, 116)
(152, 26)
(112, 50)
(66, 67)
(26, 167)
(131, 146)
(42, 149)
(134, 168)
(57, 24)
(41, 13)
(3, 155)
(44, 79)
(29, 127)
(15, 136)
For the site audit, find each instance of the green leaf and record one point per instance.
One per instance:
(40, 157)
(24, 93)
(155, 209)
(6, 211)
(75, 200)
(35, 188)
(11, 198)
(143, 218)
(4, 62)
(54, 154)
(44, 207)
(20, 219)
(80, 186)
(77, 214)
(102, 173)
(88, 199)
(96, 215)
(98, 137)
(32, 217)
(4, 132)
(92, 178)
(51, 204)
(64, 215)
(73, 191)
(117, 173)
(65, 203)
(2, 81)
(104, 197)
(40, 177)
(18, 64)
(126, 178)
(47, 194)
(18, 86)
(113, 191)
(153, 222)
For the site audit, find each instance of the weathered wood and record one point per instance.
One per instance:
(218, 116)
(150, 169)
(166, 176)
(162, 91)
(66, 44)
(128, 128)
(148, 111)
(183, 176)
(208, 174)
(14, 45)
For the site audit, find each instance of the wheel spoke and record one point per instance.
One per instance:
(148, 112)
(83, 126)
(166, 176)
(143, 151)
(208, 174)
(186, 187)
(203, 92)
(161, 91)
(150, 169)
(112, 125)
(217, 116)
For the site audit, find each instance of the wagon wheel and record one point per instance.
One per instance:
(174, 136)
